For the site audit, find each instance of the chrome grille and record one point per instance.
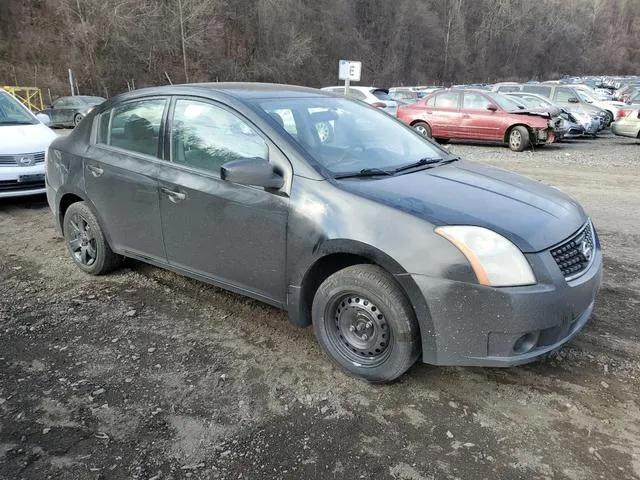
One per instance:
(15, 160)
(575, 255)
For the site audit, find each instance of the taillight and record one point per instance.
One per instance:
(623, 113)
(379, 105)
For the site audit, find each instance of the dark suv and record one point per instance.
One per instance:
(351, 221)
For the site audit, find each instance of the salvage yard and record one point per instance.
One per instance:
(144, 374)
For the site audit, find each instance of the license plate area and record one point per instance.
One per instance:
(34, 178)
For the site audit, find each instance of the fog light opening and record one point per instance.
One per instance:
(526, 342)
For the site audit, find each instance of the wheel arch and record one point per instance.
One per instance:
(511, 127)
(339, 254)
(70, 196)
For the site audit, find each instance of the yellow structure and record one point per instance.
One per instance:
(30, 96)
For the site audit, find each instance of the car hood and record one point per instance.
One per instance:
(535, 112)
(17, 139)
(532, 215)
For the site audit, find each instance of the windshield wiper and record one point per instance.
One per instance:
(365, 172)
(420, 163)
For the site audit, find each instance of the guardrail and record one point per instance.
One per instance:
(31, 97)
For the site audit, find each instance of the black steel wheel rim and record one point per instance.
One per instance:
(358, 330)
(82, 242)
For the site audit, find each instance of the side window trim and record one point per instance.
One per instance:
(161, 142)
(214, 103)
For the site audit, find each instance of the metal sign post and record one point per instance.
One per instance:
(349, 71)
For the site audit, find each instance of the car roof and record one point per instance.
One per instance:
(239, 90)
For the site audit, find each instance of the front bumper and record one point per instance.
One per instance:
(474, 325)
(16, 181)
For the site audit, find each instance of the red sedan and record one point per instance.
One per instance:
(478, 115)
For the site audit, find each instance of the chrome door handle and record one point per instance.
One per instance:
(174, 196)
(95, 171)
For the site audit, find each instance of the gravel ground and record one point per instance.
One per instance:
(143, 374)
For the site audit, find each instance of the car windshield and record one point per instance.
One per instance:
(13, 113)
(532, 102)
(345, 136)
(504, 102)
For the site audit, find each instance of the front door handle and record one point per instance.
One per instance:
(174, 196)
(466, 116)
(95, 171)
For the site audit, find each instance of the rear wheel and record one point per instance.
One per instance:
(77, 119)
(365, 323)
(422, 128)
(518, 138)
(85, 241)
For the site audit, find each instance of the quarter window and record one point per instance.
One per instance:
(135, 126)
(205, 136)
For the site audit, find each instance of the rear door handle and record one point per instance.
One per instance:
(95, 171)
(174, 196)
(466, 116)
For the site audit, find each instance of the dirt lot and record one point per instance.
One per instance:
(143, 374)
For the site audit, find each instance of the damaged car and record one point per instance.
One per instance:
(478, 115)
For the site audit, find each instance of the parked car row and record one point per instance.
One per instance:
(521, 115)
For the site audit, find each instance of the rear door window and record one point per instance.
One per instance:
(135, 126)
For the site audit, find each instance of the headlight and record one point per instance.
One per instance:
(495, 260)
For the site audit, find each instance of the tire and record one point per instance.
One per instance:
(365, 323)
(422, 128)
(85, 241)
(610, 118)
(77, 119)
(518, 138)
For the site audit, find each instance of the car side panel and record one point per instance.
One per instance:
(124, 190)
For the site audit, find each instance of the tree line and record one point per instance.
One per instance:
(112, 45)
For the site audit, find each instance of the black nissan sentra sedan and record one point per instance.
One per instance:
(391, 247)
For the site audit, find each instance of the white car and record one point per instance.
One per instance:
(24, 138)
(376, 97)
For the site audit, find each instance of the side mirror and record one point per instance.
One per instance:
(44, 119)
(573, 100)
(492, 107)
(251, 171)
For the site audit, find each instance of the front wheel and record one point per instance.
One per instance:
(422, 128)
(77, 119)
(364, 321)
(518, 138)
(86, 242)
